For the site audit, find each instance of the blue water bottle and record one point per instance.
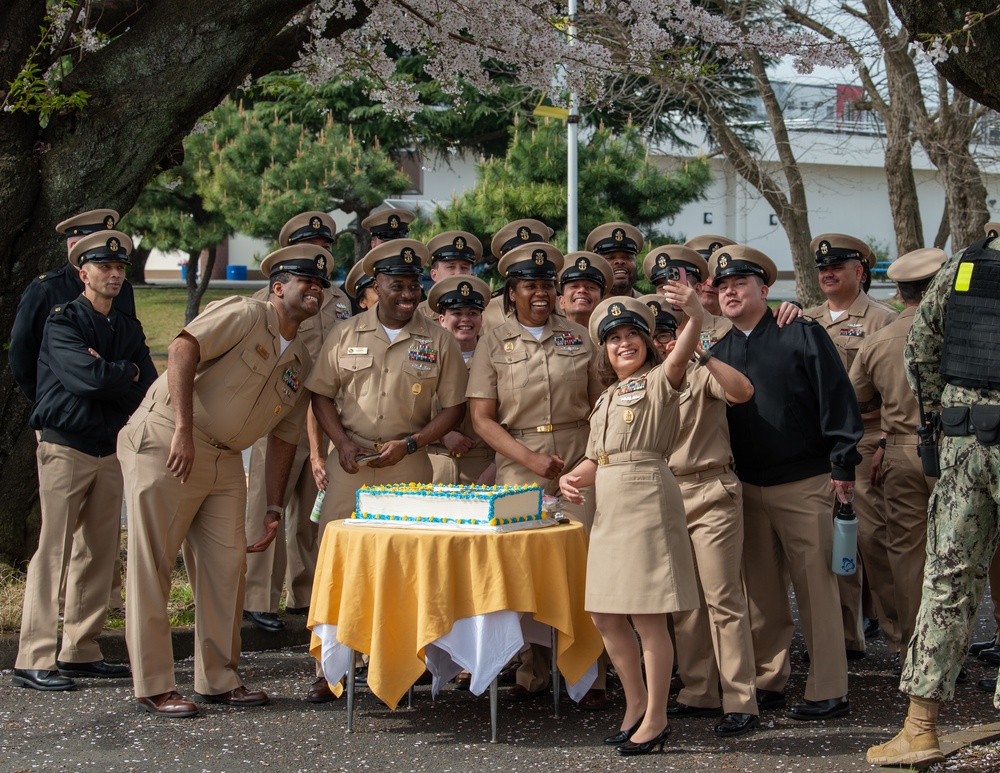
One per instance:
(845, 540)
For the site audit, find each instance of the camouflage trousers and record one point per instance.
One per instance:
(963, 528)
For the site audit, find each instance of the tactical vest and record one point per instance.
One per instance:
(971, 353)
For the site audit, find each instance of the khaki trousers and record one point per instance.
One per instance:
(714, 641)
(81, 506)
(465, 470)
(788, 534)
(291, 558)
(907, 493)
(207, 514)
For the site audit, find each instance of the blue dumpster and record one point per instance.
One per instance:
(236, 273)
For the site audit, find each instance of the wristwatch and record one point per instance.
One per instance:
(277, 509)
(411, 445)
(881, 442)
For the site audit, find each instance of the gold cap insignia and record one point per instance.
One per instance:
(459, 243)
(465, 288)
(315, 224)
(408, 255)
(615, 310)
(824, 247)
(723, 260)
(321, 263)
(524, 233)
(628, 417)
(109, 222)
(713, 247)
(661, 261)
(394, 222)
(583, 264)
(113, 244)
(618, 235)
(992, 233)
(539, 257)
(655, 308)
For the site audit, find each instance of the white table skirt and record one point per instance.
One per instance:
(481, 645)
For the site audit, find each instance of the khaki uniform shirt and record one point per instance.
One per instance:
(535, 382)
(386, 391)
(465, 427)
(712, 329)
(863, 318)
(703, 443)
(313, 331)
(637, 414)
(244, 387)
(879, 367)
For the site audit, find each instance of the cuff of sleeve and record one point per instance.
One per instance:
(842, 473)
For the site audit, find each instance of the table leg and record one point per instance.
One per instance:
(555, 671)
(409, 697)
(350, 691)
(493, 709)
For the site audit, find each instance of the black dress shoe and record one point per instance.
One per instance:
(770, 699)
(978, 646)
(630, 748)
(871, 627)
(987, 684)
(828, 709)
(42, 680)
(624, 735)
(963, 676)
(991, 655)
(851, 655)
(98, 669)
(266, 621)
(519, 694)
(297, 610)
(736, 724)
(683, 710)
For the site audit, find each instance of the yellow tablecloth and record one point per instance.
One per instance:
(390, 592)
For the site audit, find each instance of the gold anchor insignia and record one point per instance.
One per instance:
(655, 308)
(408, 255)
(661, 261)
(723, 261)
(321, 263)
(315, 223)
(459, 243)
(465, 288)
(109, 222)
(824, 247)
(582, 264)
(618, 235)
(713, 247)
(616, 310)
(992, 234)
(509, 346)
(113, 244)
(628, 417)
(539, 256)
(523, 233)
(394, 222)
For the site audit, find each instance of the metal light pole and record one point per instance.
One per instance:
(572, 132)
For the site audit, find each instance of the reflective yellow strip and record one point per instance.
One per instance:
(964, 278)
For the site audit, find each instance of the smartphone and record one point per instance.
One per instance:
(365, 458)
(677, 274)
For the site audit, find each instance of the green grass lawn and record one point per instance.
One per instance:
(161, 312)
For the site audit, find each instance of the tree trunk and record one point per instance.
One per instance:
(197, 280)
(148, 87)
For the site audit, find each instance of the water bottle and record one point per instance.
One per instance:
(845, 540)
(317, 507)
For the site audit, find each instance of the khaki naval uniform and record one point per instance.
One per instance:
(712, 329)
(848, 333)
(542, 389)
(462, 468)
(702, 463)
(644, 565)
(384, 392)
(244, 388)
(880, 368)
(291, 560)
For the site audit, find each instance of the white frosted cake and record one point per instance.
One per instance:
(438, 506)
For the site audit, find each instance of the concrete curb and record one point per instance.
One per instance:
(112, 641)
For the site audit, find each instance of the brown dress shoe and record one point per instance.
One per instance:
(169, 704)
(320, 692)
(240, 697)
(594, 700)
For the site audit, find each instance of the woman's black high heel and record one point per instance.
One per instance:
(629, 748)
(624, 735)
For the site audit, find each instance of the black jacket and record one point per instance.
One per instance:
(83, 401)
(42, 295)
(803, 418)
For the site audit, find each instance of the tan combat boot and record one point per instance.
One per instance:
(917, 743)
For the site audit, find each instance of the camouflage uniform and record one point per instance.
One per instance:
(963, 523)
